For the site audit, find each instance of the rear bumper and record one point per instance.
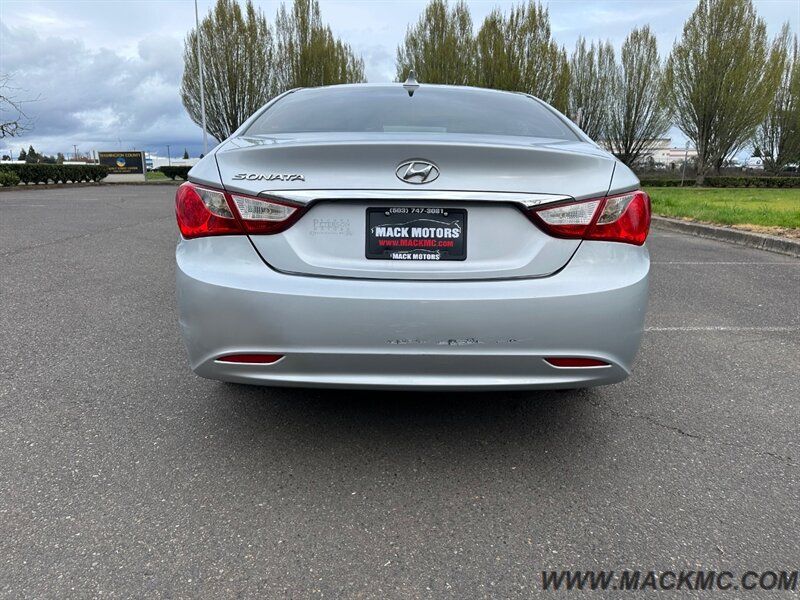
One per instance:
(400, 334)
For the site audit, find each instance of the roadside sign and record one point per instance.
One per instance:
(123, 166)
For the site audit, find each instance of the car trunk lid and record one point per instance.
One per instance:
(483, 185)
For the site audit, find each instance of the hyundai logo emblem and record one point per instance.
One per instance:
(417, 171)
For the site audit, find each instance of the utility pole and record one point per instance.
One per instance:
(202, 86)
(76, 151)
(685, 158)
(169, 160)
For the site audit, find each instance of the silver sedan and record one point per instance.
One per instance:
(411, 236)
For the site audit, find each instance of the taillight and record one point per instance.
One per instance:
(572, 362)
(260, 215)
(253, 359)
(622, 218)
(203, 211)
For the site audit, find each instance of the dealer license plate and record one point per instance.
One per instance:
(414, 233)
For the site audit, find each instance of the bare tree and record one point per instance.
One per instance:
(238, 67)
(592, 74)
(13, 120)
(440, 47)
(778, 136)
(638, 109)
(721, 79)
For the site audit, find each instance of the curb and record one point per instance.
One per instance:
(770, 243)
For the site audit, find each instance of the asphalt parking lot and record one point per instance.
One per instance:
(122, 474)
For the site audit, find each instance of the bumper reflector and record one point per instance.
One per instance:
(256, 359)
(572, 362)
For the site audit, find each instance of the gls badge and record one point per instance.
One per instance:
(269, 177)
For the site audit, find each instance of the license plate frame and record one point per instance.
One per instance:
(418, 234)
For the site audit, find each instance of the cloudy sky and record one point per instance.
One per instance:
(105, 74)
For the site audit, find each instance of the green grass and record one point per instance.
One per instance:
(729, 206)
(155, 176)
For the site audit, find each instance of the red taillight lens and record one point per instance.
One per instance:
(625, 218)
(575, 362)
(622, 218)
(254, 359)
(203, 211)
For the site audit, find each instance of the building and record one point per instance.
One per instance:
(663, 154)
(163, 161)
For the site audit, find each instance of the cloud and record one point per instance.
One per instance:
(98, 97)
(107, 74)
(379, 62)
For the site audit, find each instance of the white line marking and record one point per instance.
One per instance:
(677, 262)
(722, 328)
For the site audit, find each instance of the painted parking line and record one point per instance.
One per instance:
(722, 328)
(728, 262)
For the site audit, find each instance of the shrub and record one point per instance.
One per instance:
(660, 182)
(173, 172)
(753, 182)
(43, 173)
(8, 179)
(727, 182)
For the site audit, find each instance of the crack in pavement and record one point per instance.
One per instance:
(785, 460)
(79, 236)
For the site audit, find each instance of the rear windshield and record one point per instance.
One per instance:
(430, 110)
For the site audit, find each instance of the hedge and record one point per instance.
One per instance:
(43, 173)
(716, 181)
(173, 172)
